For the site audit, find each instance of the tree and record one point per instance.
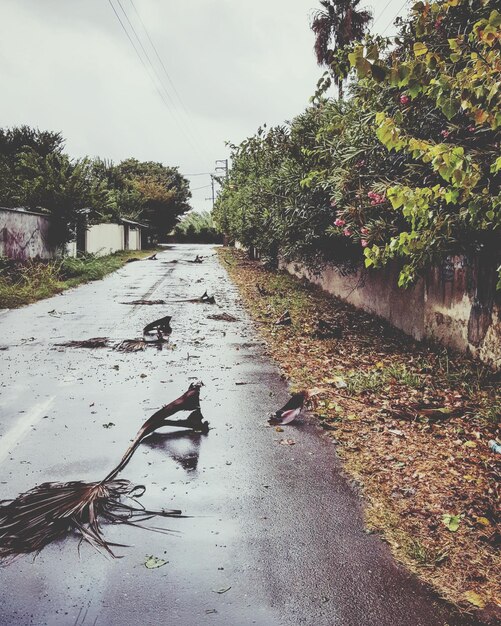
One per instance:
(62, 188)
(164, 191)
(336, 26)
(195, 227)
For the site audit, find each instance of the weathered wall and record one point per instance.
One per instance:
(24, 235)
(102, 239)
(455, 304)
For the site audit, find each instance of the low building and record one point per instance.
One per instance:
(24, 235)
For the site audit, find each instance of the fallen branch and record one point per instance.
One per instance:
(94, 342)
(51, 510)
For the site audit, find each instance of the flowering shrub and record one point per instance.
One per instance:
(407, 168)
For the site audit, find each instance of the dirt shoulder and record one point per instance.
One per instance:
(412, 424)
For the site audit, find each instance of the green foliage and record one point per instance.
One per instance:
(448, 65)
(197, 227)
(163, 190)
(35, 173)
(407, 168)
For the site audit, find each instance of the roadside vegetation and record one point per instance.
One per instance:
(411, 422)
(197, 227)
(27, 282)
(404, 168)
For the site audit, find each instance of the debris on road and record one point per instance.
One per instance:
(222, 590)
(131, 345)
(94, 342)
(52, 510)
(222, 317)
(287, 442)
(197, 259)
(205, 298)
(153, 562)
(208, 299)
(161, 326)
(290, 410)
(284, 319)
(153, 257)
(147, 302)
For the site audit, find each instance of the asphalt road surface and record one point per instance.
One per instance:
(275, 535)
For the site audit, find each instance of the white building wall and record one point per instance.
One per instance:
(105, 239)
(134, 238)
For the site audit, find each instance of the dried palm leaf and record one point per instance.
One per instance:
(131, 345)
(205, 298)
(189, 401)
(94, 342)
(51, 510)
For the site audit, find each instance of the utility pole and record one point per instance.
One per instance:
(222, 168)
(212, 185)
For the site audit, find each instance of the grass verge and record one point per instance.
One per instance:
(411, 422)
(29, 281)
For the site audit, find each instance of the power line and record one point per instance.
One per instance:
(187, 132)
(146, 67)
(158, 56)
(144, 50)
(155, 50)
(384, 9)
(394, 17)
(128, 36)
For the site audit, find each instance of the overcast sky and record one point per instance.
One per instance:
(223, 68)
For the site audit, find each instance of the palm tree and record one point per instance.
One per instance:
(336, 25)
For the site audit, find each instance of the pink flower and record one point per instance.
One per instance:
(364, 231)
(347, 232)
(404, 99)
(339, 222)
(333, 202)
(364, 243)
(445, 133)
(471, 128)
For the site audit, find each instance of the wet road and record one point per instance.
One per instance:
(276, 526)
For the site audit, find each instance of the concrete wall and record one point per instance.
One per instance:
(24, 235)
(102, 239)
(455, 304)
(134, 238)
